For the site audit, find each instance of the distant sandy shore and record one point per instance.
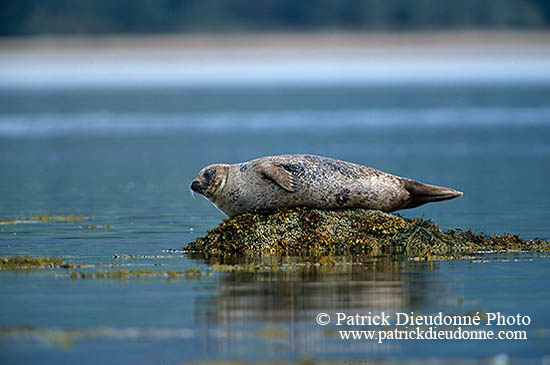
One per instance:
(295, 41)
(302, 58)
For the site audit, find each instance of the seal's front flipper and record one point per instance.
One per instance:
(278, 175)
(421, 193)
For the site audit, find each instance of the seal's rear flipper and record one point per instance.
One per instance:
(421, 193)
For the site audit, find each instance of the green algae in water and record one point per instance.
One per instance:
(98, 271)
(27, 263)
(191, 274)
(122, 274)
(66, 337)
(93, 227)
(303, 231)
(44, 218)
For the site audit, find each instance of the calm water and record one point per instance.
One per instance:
(126, 158)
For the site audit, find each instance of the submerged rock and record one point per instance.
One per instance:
(304, 231)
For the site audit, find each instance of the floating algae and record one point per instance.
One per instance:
(28, 263)
(121, 274)
(44, 218)
(66, 337)
(304, 231)
(98, 271)
(96, 226)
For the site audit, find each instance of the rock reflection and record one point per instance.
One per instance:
(278, 298)
(293, 294)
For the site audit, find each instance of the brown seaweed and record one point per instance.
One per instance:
(345, 232)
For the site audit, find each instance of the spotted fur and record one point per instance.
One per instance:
(273, 182)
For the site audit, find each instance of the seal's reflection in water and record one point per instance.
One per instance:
(277, 300)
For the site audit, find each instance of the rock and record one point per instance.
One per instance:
(304, 231)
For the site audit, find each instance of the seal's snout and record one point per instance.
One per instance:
(196, 186)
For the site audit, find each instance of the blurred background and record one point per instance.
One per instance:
(136, 96)
(32, 17)
(108, 109)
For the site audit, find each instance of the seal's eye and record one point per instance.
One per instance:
(209, 175)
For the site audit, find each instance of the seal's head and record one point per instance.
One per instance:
(210, 180)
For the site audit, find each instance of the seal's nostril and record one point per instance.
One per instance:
(195, 186)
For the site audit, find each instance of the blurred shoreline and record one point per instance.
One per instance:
(277, 40)
(275, 58)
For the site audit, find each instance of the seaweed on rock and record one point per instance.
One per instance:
(304, 231)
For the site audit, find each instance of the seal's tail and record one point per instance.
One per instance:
(421, 193)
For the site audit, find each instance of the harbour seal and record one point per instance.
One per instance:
(272, 182)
